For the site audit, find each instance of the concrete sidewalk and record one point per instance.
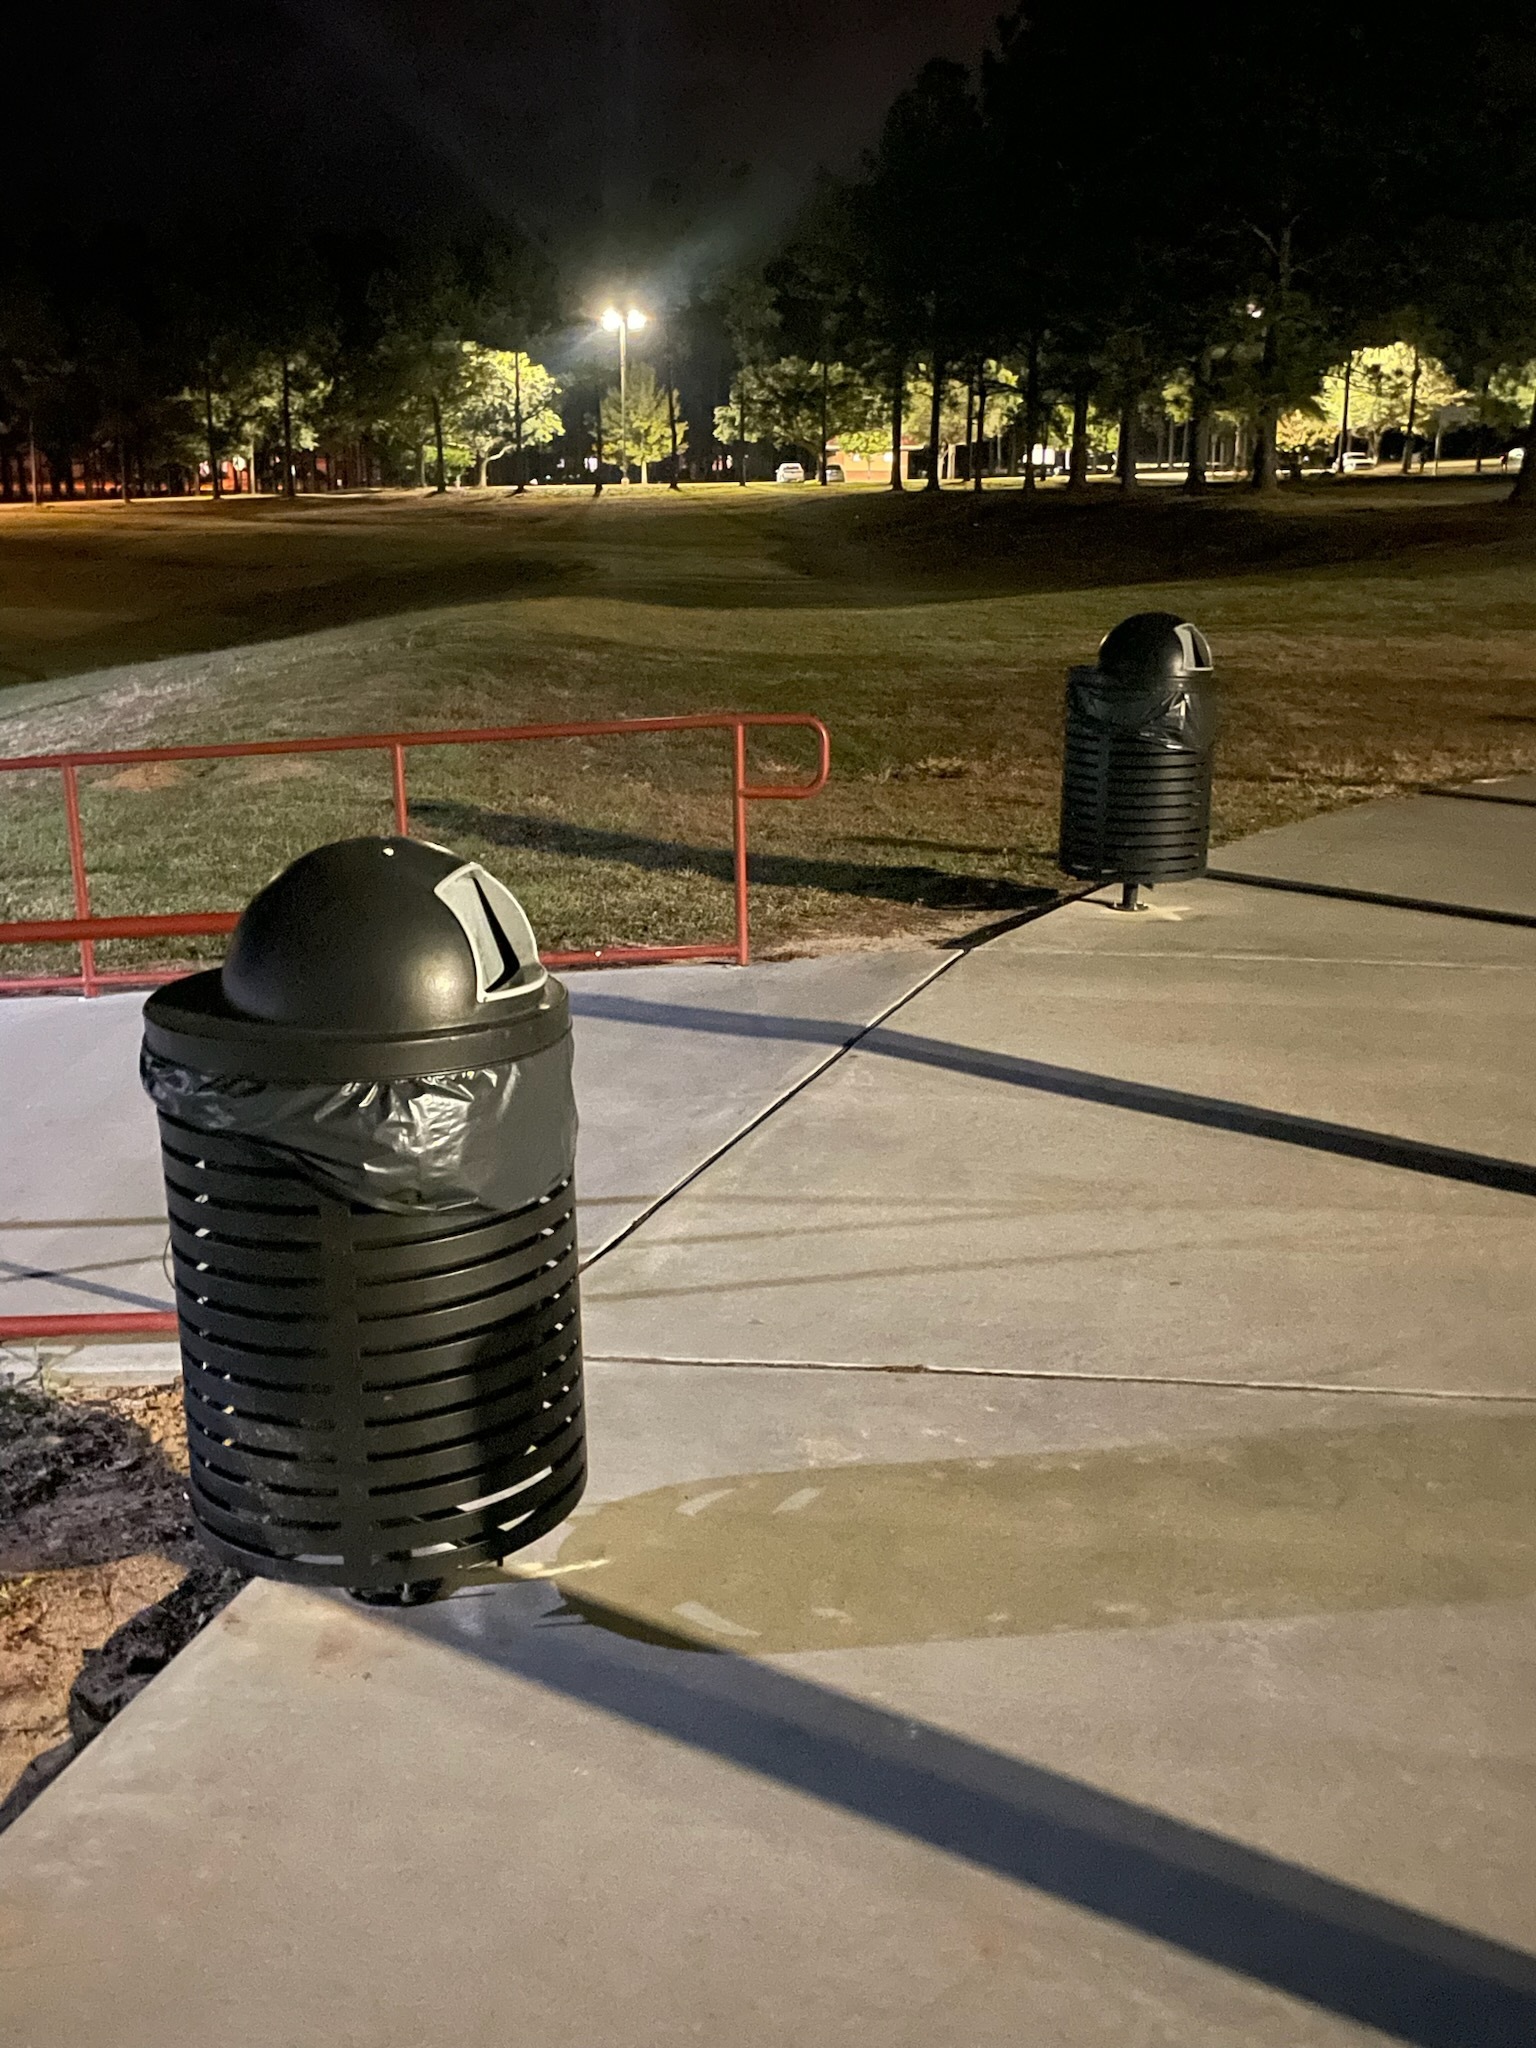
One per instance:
(1469, 849)
(1134, 1647)
(82, 1219)
(1245, 1137)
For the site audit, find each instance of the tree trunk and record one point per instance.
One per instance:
(437, 435)
(1524, 492)
(125, 482)
(1413, 407)
(288, 478)
(741, 427)
(673, 483)
(517, 424)
(1077, 460)
(213, 459)
(1349, 371)
(1031, 411)
(478, 477)
(932, 481)
(1125, 453)
(1198, 433)
(978, 444)
(421, 465)
(898, 407)
(1264, 475)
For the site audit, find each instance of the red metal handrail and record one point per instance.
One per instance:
(86, 930)
(140, 1323)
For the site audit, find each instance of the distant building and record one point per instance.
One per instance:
(874, 469)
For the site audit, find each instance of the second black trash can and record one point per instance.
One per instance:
(368, 1132)
(1136, 769)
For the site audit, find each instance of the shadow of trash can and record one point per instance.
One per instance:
(1136, 766)
(368, 1133)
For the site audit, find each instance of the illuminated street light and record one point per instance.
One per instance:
(623, 325)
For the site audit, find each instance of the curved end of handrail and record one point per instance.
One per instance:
(782, 792)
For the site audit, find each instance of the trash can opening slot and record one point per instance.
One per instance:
(1197, 650)
(499, 934)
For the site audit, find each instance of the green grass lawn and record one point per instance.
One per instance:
(1369, 636)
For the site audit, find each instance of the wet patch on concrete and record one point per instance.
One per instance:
(1416, 1512)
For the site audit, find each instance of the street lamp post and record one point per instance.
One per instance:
(624, 325)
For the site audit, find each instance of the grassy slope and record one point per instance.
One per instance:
(1368, 637)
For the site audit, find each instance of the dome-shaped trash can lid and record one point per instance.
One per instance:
(1153, 647)
(382, 936)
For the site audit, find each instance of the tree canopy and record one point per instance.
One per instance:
(1093, 233)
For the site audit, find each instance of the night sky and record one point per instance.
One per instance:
(676, 133)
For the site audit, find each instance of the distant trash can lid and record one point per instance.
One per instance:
(1154, 647)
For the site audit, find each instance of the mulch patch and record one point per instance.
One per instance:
(102, 1579)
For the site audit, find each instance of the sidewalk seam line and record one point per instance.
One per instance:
(788, 1094)
(1010, 1372)
(755, 1122)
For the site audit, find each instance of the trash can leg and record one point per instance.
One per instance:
(1130, 897)
(416, 1594)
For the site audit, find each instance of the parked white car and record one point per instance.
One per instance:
(1356, 458)
(789, 473)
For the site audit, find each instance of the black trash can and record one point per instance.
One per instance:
(1136, 772)
(368, 1133)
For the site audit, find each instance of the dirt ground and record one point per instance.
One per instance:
(101, 1576)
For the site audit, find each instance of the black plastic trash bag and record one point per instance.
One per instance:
(499, 1135)
(1177, 715)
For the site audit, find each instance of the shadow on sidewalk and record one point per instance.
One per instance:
(1346, 1950)
(1313, 1134)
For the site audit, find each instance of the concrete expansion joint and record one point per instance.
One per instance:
(1021, 1372)
(779, 1102)
(956, 952)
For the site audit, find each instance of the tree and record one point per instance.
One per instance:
(1392, 388)
(504, 402)
(752, 325)
(917, 209)
(281, 403)
(796, 402)
(651, 416)
(951, 417)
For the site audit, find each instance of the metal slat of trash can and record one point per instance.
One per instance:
(283, 1367)
(379, 1399)
(1136, 765)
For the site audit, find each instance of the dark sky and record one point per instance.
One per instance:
(695, 122)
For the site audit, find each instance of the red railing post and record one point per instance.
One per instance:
(78, 874)
(739, 841)
(402, 815)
